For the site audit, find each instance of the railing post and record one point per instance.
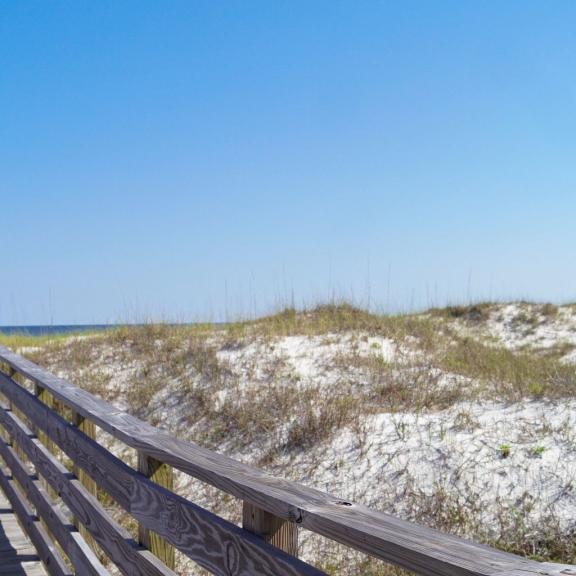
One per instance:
(7, 371)
(276, 531)
(46, 398)
(161, 474)
(10, 372)
(89, 429)
(19, 452)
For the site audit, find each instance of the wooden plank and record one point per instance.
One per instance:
(162, 475)
(45, 397)
(4, 403)
(411, 546)
(31, 525)
(17, 378)
(276, 531)
(116, 542)
(549, 569)
(215, 544)
(70, 540)
(17, 555)
(88, 428)
(560, 569)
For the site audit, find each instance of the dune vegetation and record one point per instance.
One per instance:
(461, 418)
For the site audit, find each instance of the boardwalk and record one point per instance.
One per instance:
(35, 428)
(17, 555)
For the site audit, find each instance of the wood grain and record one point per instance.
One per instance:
(162, 475)
(17, 378)
(276, 531)
(45, 397)
(411, 546)
(88, 428)
(213, 543)
(69, 539)
(46, 550)
(114, 540)
(17, 555)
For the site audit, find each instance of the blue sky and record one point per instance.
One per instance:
(203, 160)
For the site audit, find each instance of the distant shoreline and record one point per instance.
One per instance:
(56, 329)
(59, 329)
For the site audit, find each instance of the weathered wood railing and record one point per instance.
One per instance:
(34, 431)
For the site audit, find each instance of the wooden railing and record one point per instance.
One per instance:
(45, 417)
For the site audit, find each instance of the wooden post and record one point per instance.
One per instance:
(5, 369)
(19, 452)
(89, 429)
(161, 474)
(10, 372)
(46, 398)
(276, 531)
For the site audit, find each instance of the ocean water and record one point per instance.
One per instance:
(47, 330)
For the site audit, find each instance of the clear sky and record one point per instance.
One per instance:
(189, 160)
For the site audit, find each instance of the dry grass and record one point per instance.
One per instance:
(473, 313)
(510, 375)
(267, 408)
(277, 408)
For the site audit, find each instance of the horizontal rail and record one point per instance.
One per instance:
(417, 548)
(213, 543)
(44, 547)
(69, 539)
(116, 542)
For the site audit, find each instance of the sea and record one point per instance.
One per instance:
(55, 329)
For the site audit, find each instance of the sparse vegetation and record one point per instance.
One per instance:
(504, 450)
(507, 374)
(474, 313)
(282, 388)
(537, 451)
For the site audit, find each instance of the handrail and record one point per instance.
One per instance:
(409, 545)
